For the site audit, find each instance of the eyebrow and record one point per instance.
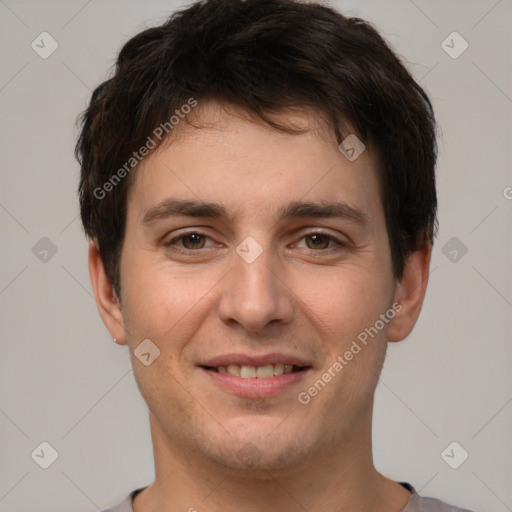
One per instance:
(296, 209)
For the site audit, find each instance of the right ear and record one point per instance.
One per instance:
(108, 304)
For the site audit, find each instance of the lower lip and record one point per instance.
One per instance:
(255, 388)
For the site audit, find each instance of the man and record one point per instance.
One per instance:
(258, 187)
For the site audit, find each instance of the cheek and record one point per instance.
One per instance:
(167, 304)
(165, 393)
(344, 301)
(350, 305)
(156, 295)
(347, 307)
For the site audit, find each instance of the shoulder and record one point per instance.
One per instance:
(124, 506)
(419, 503)
(127, 504)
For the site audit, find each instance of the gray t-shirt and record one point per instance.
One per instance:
(416, 503)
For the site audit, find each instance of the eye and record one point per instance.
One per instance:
(189, 241)
(321, 241)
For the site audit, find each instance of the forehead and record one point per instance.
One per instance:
(223, 154)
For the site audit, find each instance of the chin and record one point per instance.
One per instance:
(259, 445)
(254, 459)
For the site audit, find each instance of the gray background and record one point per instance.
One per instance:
(64, 381)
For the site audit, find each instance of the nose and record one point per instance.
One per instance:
(255, 295)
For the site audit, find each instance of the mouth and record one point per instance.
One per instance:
(250, 376)
(265, 371)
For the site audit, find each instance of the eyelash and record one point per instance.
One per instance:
(339, 244)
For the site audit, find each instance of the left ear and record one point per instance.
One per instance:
(410, 292)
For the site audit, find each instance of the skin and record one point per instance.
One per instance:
(298, 297)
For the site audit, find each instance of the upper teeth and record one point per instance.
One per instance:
(256, 372)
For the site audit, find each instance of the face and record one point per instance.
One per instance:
(253, 260)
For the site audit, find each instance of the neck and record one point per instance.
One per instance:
(337, 479)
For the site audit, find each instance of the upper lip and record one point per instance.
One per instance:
(253, 360)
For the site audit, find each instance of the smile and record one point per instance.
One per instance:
(266, 371)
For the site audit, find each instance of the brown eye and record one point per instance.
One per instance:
(317, 241)
(193, 241)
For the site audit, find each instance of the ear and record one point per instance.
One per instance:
(410, 292)
(108, 304)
